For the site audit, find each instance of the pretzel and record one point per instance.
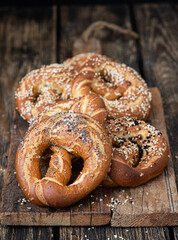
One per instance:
(91, 104)
(75, 133)
(124, 92)
(42, 87)
(140, 153)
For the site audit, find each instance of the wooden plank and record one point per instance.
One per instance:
(144, 205)
(92, 45)
(157, 26)
(25, 45)
(81, 211)
(75, 19)
(22, 48)
(29, 233)
(93, 233)
(101, 212)
(175, 232)
(2, 180)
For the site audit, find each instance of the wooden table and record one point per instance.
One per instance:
(33, 36)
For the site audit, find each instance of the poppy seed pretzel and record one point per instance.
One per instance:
(75, 133)
(140, 153)
(124, 92)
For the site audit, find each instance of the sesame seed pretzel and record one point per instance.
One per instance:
(75, 133)
(41, 88)
(124, 92)
(139, 154)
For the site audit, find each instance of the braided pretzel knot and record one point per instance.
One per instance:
(124, 92)
(75, 133)
(42, 87)
(91, 104)
(140, 153)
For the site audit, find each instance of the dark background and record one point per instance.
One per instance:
(84, 2)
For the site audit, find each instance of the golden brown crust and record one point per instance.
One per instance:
(75, 133)
(91, 105)
(124, 92)
(140, 152)
(42, 87)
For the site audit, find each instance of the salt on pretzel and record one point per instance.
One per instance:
(124, 92)
(75, 133)
(90, 104)
(42, 87)
(140, 153)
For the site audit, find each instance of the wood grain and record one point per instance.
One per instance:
(29, 233)
(92, 45)
(113, 233)
(2, 181)
(24, 45)
(157, 26)
(74, 21)
(175, 232)
(22, 49)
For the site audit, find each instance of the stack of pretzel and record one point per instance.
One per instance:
(93, 108)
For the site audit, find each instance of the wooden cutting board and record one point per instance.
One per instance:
(152, 204)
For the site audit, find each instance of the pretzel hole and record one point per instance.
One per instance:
(111, 89)
(44, 161)
(46, 96)
(36, 98)
(140, 155)
(105, 78)
(131, 151)
(77, 166)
